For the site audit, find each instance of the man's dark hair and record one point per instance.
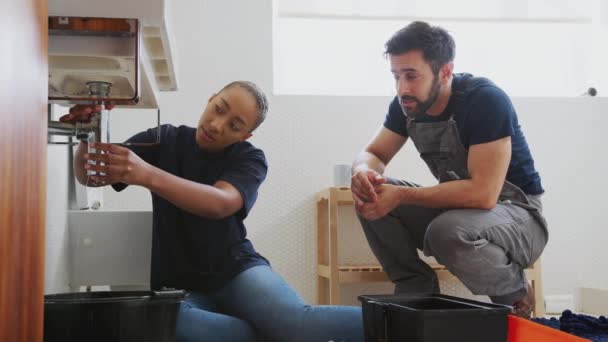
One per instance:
(260, 99)
(436, 44)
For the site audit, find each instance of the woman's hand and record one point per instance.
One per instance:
(118, 164)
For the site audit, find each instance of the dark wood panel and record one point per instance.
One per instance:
(23, 94)
(112, 25)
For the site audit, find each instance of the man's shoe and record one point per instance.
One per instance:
(525, 307)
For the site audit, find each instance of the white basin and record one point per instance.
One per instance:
(112, 61)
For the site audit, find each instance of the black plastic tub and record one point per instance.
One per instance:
(432, 318)
(117, 316)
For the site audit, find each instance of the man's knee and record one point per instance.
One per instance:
(443, 238)
(373, 224)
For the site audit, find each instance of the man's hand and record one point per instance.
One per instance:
(388, 198)
(121, 165)
(82, 113)
(363, 186)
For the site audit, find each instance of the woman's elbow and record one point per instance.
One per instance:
(223, 209)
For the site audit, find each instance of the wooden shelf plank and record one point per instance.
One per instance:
(365, 272)
(362, 277)
(323, 271)
(343, 195)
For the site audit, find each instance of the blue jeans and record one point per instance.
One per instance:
(258, 305)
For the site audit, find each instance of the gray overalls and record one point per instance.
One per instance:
(486, 249)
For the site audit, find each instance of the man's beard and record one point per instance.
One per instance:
(422, 107)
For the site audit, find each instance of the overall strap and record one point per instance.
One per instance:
(467, 84)
(460, 92)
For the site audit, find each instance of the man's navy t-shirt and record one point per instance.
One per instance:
(483, 113)
(188, 251)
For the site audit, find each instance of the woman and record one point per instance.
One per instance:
(204, 182)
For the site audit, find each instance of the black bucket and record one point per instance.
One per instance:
(432, 318)
(117, 316)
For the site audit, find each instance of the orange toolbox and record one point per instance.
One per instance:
(523, 330)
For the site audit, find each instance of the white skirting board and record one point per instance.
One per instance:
(591, 301)
(594, 301)
(556, 304)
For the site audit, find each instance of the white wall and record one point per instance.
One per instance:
(57, 254)
(304, 136)
(567, 141)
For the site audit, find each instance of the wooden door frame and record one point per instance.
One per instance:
(23, 127)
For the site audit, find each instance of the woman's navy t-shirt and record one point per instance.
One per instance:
(483, 113)
(188, 251)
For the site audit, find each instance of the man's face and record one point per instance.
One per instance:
(229, 117)
(417, 86)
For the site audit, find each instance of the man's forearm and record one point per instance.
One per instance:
(454, 194)
(368, 161)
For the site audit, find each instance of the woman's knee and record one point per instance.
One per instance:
(199, 325)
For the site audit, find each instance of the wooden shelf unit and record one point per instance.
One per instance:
(330, 271)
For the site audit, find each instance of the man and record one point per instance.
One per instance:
(483, 221)
(204, 182)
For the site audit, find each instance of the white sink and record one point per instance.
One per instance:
(112, 62)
